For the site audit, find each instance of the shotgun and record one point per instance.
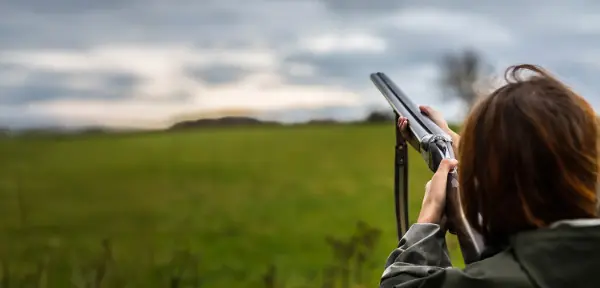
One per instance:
(434, 145)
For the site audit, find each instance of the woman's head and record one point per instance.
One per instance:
(528, 156)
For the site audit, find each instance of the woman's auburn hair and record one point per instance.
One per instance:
(528, 156)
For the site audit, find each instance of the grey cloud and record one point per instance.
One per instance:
(17, 95)
(119, 81)
(354, 7)
(62, 6)
(339, 69)
(352, 69)
(218, 74)
(201, 23)
(50, 85)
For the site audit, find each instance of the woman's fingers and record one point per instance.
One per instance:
(437, 186)
(446, 165)
(403, 125)
(401, 121)
(434, 115)
(425, 109)
(440, 179)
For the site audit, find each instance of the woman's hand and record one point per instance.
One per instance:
(438, 119)
(435, 116)
(434, 201)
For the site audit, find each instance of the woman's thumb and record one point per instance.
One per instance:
(446, 165)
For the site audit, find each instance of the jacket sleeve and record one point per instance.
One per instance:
(421, 257)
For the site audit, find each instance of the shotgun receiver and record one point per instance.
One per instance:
(434, 145)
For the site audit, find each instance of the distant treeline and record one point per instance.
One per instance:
(373, 117)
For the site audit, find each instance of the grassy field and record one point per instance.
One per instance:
(212, 208)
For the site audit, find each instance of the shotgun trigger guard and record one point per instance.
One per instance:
(434, 148)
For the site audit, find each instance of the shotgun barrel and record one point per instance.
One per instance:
(434, 145)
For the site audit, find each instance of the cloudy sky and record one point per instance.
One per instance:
(143, 63)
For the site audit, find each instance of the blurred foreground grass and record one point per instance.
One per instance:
(204, 208)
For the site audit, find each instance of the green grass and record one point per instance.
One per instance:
(236, 200)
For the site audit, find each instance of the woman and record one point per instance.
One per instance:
(528, 166)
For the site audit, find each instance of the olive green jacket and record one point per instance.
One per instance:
(567, 254)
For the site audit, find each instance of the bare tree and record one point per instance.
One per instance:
(461, 74)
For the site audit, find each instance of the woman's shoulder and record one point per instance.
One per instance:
(500, 270)
(562, 255)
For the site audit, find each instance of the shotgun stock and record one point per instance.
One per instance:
(434, 145)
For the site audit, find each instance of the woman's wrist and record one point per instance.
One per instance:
(430, 218)
(430, 213)
(450, 132)
(455, 137)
